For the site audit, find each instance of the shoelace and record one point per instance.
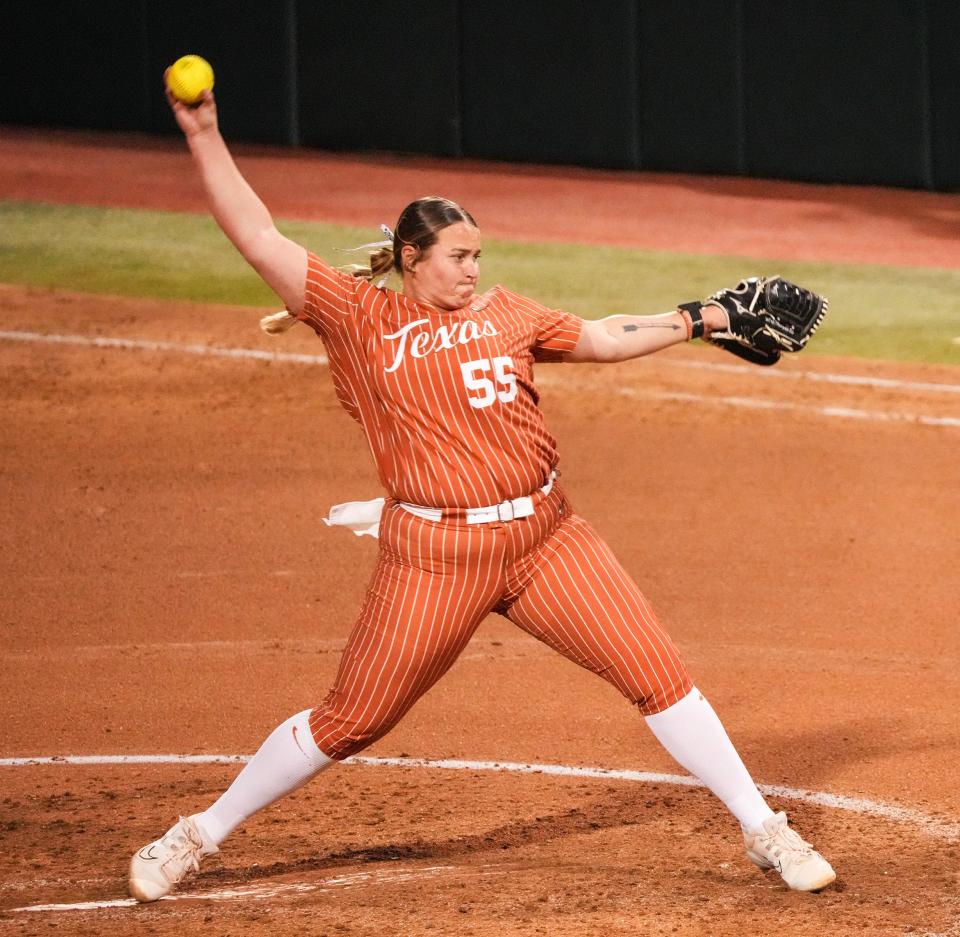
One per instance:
(786, 839)
(185, 852)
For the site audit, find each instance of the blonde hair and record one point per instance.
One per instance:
(380, 265)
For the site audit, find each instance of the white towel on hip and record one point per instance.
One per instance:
(362, 517)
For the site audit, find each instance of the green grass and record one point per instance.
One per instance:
(875, 311)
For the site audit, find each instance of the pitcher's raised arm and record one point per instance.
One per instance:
(238, 210)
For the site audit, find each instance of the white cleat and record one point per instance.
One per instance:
(776, 846)
(161, 865)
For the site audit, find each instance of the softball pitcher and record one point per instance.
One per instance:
(474, 521)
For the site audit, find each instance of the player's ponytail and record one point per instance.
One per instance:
(381, 262)
(378, 267)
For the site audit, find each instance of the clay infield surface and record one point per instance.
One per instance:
(169, 588)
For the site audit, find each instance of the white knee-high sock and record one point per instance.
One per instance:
(692, 733)
(285, 761)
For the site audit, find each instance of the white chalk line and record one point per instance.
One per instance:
(263, 892)
(99, 341)
(858, 380)
(934, 826)
(755, 403)
(752, 403)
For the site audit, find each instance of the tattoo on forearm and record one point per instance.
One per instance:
(651, 325)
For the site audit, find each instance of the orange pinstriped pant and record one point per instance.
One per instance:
(435, 581)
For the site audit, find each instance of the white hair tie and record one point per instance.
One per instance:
(371, 244)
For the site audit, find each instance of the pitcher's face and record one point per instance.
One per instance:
(446, 275)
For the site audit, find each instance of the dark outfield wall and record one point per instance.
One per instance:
(860, 91)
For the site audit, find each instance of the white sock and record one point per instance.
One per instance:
(692, 733)
(284, 762)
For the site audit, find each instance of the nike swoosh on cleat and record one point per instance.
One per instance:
(147, 852)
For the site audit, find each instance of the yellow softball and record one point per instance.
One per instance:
(189, 77)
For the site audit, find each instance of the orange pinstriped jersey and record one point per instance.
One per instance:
(446, 399)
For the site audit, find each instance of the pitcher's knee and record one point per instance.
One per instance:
(658, 695)
(339, 735)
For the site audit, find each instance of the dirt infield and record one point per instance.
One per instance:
(169, 588)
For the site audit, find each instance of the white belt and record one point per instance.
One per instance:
(505, 511)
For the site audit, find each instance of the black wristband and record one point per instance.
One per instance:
(696, 317)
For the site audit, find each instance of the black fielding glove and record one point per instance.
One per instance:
(767, 316)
